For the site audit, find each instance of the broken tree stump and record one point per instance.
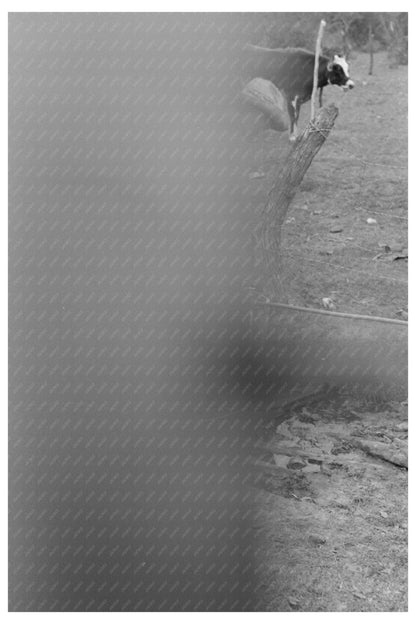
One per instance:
(284, 190)
(265, 99)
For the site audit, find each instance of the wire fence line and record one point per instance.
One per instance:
(359, 159)
(351, 269)
(371, 163)
(348, 315)
(381, 214)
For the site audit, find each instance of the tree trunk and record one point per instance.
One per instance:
(284, 190)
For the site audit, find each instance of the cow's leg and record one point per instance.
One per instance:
(295, 104)
(320, 96)
(293, 108)
(291, 119)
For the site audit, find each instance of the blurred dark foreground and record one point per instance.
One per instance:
(129, 248)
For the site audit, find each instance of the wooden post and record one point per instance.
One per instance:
(316, 67)
(284, 190)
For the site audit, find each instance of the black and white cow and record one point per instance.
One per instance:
(292, 71)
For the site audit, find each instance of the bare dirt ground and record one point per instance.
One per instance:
(331, 508)
(331, 516)
(328, 248)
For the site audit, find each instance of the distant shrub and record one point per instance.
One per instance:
(284, 30)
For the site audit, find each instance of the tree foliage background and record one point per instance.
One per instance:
(345, 32)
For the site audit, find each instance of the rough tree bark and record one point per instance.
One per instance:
(284, 190)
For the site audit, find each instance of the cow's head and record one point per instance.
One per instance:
(338, 73)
